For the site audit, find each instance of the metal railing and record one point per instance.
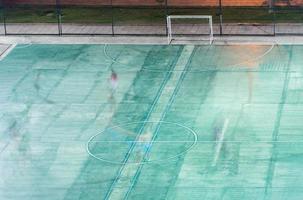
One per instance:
(113, 19)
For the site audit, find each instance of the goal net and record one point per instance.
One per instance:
(196, 27)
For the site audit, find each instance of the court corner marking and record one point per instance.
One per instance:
(7, 51)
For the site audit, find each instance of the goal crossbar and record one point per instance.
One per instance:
(169, 24)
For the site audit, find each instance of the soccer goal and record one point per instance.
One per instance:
(203, 28)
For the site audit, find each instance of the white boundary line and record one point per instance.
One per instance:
(268, 51)
(7, 51)
(204, 141)
(220, 142)
(256, 58)
(148, 40)
(24, 46)
(132, 141)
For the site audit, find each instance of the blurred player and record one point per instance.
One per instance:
(113, 82)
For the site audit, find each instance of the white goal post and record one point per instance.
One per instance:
(169, 24)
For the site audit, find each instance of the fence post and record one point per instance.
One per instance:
(220, 16)
(58, 11)
(112, 15)
(166, 14)
(274, 14)
(4, 16)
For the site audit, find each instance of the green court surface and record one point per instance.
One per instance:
(179, 122)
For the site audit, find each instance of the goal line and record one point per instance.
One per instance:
(170, 29)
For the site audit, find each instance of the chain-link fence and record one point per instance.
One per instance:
(148, 17)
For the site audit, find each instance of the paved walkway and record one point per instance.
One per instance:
(231, 28)
(146, 40)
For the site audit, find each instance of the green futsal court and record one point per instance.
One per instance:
(184, 122)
